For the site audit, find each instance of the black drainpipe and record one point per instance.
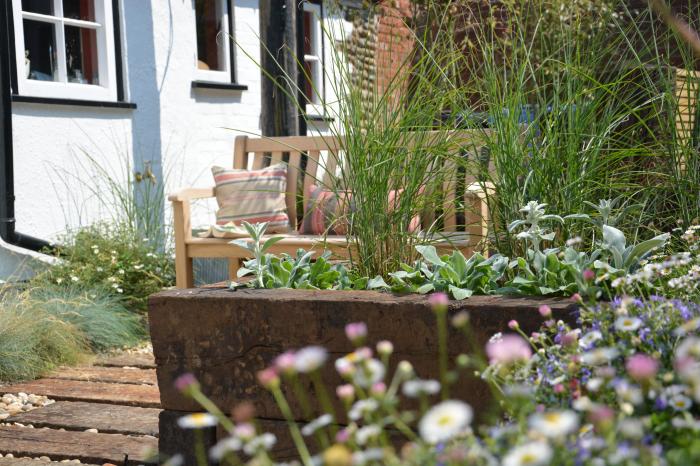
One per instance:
(7, 184)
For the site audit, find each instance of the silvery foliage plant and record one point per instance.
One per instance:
(549, 271)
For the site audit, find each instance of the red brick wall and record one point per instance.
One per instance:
(394, 41)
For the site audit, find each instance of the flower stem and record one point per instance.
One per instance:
(442, 345)
(293, 427)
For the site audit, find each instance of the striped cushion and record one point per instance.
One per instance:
(254, 196)
(326, 212)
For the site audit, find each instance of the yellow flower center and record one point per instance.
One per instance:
(528, 458)
(198, 418)
(552, 417)
(444, 421)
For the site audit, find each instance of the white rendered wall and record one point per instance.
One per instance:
(179, 130)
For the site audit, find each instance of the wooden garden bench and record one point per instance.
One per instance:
(261, 152)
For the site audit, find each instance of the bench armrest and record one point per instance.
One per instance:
(189, 194)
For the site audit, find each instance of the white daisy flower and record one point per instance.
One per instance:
(369, 373)
(318, 423)
(362, 407)
(227, 445)
(310, 359)
(366, 433)
(554, 423)
(628, 324)
(197, 421)
(445, 421)
(589, 338)
(529, 454)
(680, 402)
(416, 388)
(263, 442)
(599, 356)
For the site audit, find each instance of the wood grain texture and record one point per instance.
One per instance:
(146, 396)
(142, 361)
(87, 447)
(239, 333)
(106, 374)
(108, 419)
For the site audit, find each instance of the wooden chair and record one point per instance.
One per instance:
(320, 154)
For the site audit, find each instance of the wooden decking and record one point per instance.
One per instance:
(106, 413)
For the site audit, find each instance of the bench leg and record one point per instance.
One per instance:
(234, 263)
(184, 274)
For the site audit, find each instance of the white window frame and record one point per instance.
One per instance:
(317, 78)
(103, 26)
(225, 75)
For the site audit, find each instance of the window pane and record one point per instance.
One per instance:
(79, 9)
(81, 55)
(308, 33)
(44, 7)
(211, 52)
(40, 51)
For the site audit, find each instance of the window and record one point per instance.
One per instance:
(313, 58)
(214, 61)
(65, 49)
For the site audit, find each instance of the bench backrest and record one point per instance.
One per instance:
(314, 159)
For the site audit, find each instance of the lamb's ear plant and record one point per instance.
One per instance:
(285, 271)
(450, 273)
(628, 258)
(257, 249)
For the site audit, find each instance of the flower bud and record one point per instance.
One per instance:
(268, 378)
(385, 348)
(439, 302)
(545, 311)
(513, 325)
(405, 369)
(345, 392)
(461, 319)
(356, 332)
(186, 383)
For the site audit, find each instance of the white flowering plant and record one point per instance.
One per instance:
(115, 258)
(629, 368)
(401, 419)
(676, 275)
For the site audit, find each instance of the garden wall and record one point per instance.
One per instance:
(224, 337)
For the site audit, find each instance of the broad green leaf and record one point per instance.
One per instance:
(458, 264)
(430, 254)
(427, 288)
(376, 282)
(614, 238)
(639, 251)
(460, 293)
(270, 242)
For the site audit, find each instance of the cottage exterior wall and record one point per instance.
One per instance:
(176, 130)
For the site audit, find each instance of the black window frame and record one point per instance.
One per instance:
(118, 66)
(233, 84)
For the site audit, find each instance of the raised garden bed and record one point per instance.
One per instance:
(224, 338)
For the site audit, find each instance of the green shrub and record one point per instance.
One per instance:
(96, 312)
(32, 341)
(114, 257)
